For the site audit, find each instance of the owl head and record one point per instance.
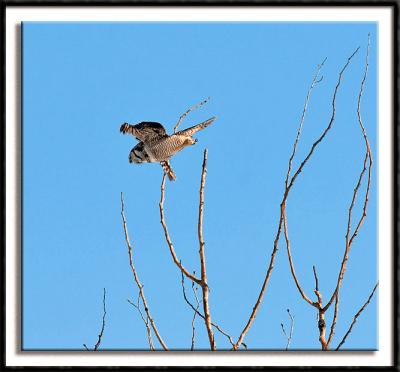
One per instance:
(190, 141)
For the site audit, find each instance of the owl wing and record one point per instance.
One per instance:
(192, 130)
(144, 131)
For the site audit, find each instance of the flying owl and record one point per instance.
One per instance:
(157, 146)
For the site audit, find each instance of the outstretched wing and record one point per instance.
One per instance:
(192, 130)
(144, 131)
(168, 170)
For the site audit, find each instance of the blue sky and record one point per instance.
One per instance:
(81, 81)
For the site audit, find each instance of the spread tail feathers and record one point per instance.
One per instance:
(168, 170)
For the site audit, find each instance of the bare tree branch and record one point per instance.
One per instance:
(285, 227)
(288, 186)
(263, 287)
(145, 321)
(314, 82)
(168, 238)
(356, 316)
(300, 289)
(136, 277)
(334, 320)
(315, 278)
(194, 289)
(195, 309)
(321, 313)
(367, 158)
(288, 337)
(189, 110)
(103, 321)
(349, 235)
(204, 286)
(216, 326)
(100, 336)
(327, 129)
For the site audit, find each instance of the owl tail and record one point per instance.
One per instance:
(168, 170)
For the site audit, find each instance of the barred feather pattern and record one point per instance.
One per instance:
(157, 146)
(167, 147)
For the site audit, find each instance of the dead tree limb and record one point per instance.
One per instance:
(136, 277)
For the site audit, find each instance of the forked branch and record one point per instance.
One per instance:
(290, 335)
(168, 238)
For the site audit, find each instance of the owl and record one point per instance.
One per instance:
(157, 146)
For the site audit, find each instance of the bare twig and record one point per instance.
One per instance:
(204, 286)
(189, 110)
(288, 337)
(103, 321)
(356, 316)
(194, 289)
(168, 238)
(145, 321)
(136, 278)
(283, 330)
(327, 129)
(315, 278)
(314, 82)
(195, 309)
(100, 336)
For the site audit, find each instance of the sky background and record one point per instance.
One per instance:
(81, 81)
